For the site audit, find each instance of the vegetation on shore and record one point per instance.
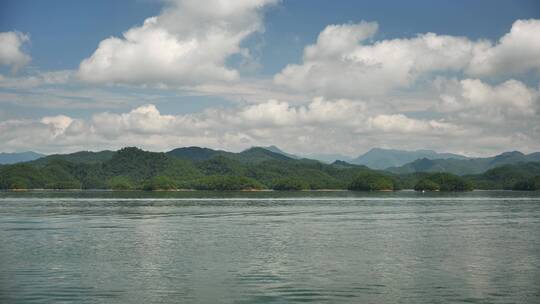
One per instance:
(370, 181)
(253, 169)
(531, 184)
(521, 176)
(443, 182)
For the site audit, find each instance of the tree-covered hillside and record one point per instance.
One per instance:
(521, 176)
(255, 168)
(443, 182)
(133, 168)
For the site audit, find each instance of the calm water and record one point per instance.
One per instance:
(404, 247)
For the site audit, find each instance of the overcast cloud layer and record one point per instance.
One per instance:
(349, 92)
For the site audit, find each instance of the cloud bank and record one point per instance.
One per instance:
(320, 125)
(344, 63)
(351, 91)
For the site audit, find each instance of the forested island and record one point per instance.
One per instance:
(195, 168)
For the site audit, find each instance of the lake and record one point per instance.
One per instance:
(270, 247)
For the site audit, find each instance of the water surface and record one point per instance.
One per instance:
(269, 247)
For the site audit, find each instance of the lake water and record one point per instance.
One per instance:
(269, 247)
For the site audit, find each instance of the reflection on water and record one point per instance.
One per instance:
(269, 247)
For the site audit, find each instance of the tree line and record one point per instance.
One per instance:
(134, 169)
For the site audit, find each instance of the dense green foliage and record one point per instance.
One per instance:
(120, 183)
(132, 168)
(288, 183)
(256, 168)
(55, 175)
(531, 184)
(371, 181)
(21, 176)
(159, 183)
(196, 153)
(444, 182)
(226, 182)
(508, 176)
(427, 185)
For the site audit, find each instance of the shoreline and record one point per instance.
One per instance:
(190, 190)
(247, 190)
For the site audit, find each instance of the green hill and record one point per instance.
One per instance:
(133, 168)
(196, 153)
(443, 182)
(507, 176)
(254, 168)
(258, 154)
(251, 155)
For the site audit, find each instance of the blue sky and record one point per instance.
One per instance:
(263, 68)
(63, 31)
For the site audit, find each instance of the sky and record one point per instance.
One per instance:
(309, 76)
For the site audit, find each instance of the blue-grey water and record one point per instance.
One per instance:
(322, 247)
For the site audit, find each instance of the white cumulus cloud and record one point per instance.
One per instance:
(399, 123)
(187, 44)
(511, 97)
(343, 63)
(516, 52)
(57, 124)
(320, 125)
(11, 53)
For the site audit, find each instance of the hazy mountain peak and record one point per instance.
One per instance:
(275, 149)
(17, 157)
(466, 166)
(264, 151)
(506, 157)
(510, 154)
(380, 158)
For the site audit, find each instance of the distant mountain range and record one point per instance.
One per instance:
(465, 166)
(325, 158)
(329, 158)
(86, 157)
(279, 151)
(391, 160)
(262, 168)
(378, 158)
(12, 158)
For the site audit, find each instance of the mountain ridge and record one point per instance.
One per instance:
(465, 166)
(380, 158)
(253, 168)
(459, 164)
(17, 157)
